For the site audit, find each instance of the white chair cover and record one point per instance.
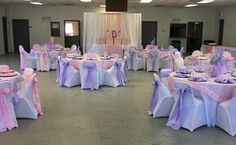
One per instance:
(25, 108)
(161, 101)
(115, 76)
(135, 62)
(26, 60)
(152, 60)
(188, 111)
(89, 75)
(226, 118)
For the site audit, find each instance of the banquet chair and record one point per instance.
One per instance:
(3, 66)
(43, 61)
(135, 62)
(165, 62)
(161, 100)
(7, 114)
(178, 61)
(152, 60)
(53, 59)
(73, 49)
(89, 75)
(114, 76)
(26, 60)
(164, 73)
(70, 76)
(188, 111)
(225, 117)
(29, 105)
(197, 53)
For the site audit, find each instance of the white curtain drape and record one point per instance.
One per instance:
(97, 25)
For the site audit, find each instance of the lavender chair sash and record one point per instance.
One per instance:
(154, 56)
(6, 120)
(174, 120)
(58, 70)
(154, 97)
(132, 55)
(119, 73)
(65, 65)
(126, 68)
(90, 68)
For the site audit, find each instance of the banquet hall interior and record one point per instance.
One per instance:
(117, 72)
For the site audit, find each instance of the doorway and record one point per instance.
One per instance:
(221, 32)
(149, 32)
(4, 26)
(194, 36)
(72, 33)
(21, 34)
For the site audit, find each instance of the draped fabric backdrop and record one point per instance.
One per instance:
(100, 25)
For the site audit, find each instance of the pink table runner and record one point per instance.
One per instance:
(217, 91)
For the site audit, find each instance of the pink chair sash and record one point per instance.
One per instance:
(42, 60)
(36, 97)
(22, 60)
(6, 120)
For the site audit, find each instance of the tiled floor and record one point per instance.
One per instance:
(109, 116)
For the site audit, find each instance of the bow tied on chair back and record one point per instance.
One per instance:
(218, 62)
(154, 98)
(58, 69)
(65, 65)
(154, 56)
(174, 120)
(132, 52)
(6, 121)
(119, 73)
(90, 67)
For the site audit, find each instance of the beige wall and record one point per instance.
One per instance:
(229, 16)
(40, 28)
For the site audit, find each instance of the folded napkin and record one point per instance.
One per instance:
(182, 75)
(184, 71)
(198, 78)
(225, 79)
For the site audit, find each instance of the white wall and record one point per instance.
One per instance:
(229, 16)
(40, 31)
(165, 16)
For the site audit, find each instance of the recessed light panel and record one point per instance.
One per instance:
(145, 1)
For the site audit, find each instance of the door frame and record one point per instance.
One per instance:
(221, 32)
(5, 36)
(16, 48)
(156, 22)
(72, 36)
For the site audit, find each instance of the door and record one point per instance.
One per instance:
(194, 36)
(149, 32)
(21, 34)
(4, 26)
(221, 32)
(72, 33)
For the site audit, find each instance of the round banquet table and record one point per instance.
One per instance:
(211, 92)
(102, 64)
(14, 80)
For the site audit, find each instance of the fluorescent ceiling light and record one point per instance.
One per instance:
(190, 5)
(102, 6)
(145, 1)
(205, 1)
(36, 3)
(85, 0)
(27, 0)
